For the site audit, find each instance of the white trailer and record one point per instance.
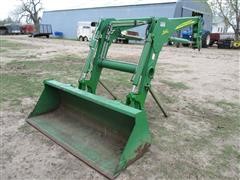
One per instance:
(85, 30)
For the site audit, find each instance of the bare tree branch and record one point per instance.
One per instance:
(229, 10)
(29, 10)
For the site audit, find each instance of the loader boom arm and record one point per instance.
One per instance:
(158, 32)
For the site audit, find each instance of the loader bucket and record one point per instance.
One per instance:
(105, 134)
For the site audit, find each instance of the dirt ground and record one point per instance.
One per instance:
(199, 90)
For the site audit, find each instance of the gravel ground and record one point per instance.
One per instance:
(199, 90)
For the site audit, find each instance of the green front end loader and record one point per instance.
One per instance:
(107, 134)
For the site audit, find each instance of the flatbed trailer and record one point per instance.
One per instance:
(43, 30)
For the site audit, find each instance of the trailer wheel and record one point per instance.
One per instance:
(80, 38)
(85, 39)
(206, 39)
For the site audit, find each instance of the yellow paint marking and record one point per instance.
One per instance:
(184, 24)
(165, 31)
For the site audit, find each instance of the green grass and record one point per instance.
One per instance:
(165, 98)
(68, 57)
(224, 123)
(225, 160)
(227, 105)
(25, 128)
(2, 50)
(24, 78)
(11, 45)
(218, 142)
(14, 87)
(175, 85)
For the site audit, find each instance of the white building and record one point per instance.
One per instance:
(219, 26)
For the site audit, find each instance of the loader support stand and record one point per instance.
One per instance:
(108, 90)
(158, 102)
(108, 134)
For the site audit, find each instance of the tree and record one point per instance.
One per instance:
(29, 10)
(6, 21)
(229, 10)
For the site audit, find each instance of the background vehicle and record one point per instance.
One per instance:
(43, 30)
(187, 34)
(8, 29)
(27, 29)
(85, 30)
(126, 36)
(224, 40)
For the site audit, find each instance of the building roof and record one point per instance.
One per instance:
(117, 3)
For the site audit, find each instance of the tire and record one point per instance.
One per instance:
(80, 38)
(206, 39)
(85, 39)
(47, 36)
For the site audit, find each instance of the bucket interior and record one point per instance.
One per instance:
(90, 131)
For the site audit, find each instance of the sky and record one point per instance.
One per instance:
(8, 6)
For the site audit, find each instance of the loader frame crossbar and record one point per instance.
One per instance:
(159, 31)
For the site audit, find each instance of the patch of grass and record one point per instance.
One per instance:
(24, 78)
(14, 87)
(25, 128)
(115, 78)
(226, 105)
(225, 160)
(225, 123)
(175, 85)
(2, 50)
(11, 45)
(59, 65)
(165, 98)
(15, 102)
(68, 57)
(230, 151)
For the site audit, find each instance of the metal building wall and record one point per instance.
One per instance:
(184, 8)
(66, 20)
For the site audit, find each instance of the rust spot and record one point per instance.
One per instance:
(139, 152)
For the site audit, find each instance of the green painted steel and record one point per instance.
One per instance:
(180, 40)
(100, 131)
(118, 65)
(107, 134)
